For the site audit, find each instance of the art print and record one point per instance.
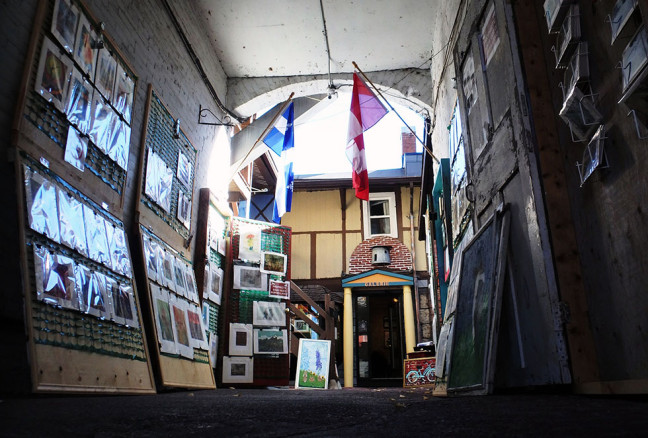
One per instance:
(95, 228)
(152, 177)
(55, 278)
(249, 278)
(196, 327)
(184, 209)
(190, 284)
(118, 146)
(178, 277)
(42, 206)
(101, 123)
(76, 149)
(184, 170)
(313, 364)
(240, 339)
(635, 57)
(215, 283)
(279, 289)
(124, 306)
(84, 48)
(270, 341)
(238, 369)
(213, 348)
(150, 256)
(78, 106)
(167, 270)
(179, 313)
(119, 258)
(269, 314)
(164, 186)
(72, 227)
(164, 323)
(123, 96)
(249, 243)
(580, 113)
(53, 75)
(273, 263)
(300, 326)
(105, 74)
(91, 287)
(64, 23)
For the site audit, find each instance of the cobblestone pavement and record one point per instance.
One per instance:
(334, 413)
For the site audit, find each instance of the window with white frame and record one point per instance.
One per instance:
(380, 215)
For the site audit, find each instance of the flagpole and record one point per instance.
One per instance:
(267, 128)
(392, 108)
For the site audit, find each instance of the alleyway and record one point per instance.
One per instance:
(352, 412)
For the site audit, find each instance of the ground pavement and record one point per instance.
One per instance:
(349, 412)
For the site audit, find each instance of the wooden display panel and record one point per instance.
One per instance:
(41, 129)
(72, 350)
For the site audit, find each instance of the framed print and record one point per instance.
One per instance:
(76, 149)
(196, 327)
(238, 369)
(124, 306)
(273, 263)
(313, 364)
(181, 325)
(150, 255)
(270, 341)
(269, 314)
(250, 243)
(178, 277)
(240, 339)
(163, 320)
(101, 123)
(72, 228)
(84, 47)
(213, 348)
(167, 270)
(123, 94)
(279, 289)
(64, 23)
(91, 288)
(215, 283)
(190, 284)
(221, 246)
(53, 74)
(635, 57)
(119, 258)
(184, 170)
(301, 326)
(78, 105)
(184, 209)
(249, 278)
(105, 74)
(118, 146)
(95, 229)
(55, 278)
(42, 206)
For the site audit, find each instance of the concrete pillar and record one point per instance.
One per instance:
(348, 338)
(408, 317)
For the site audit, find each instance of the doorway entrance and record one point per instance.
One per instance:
(379, 339)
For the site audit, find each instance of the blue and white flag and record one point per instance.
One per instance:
(281, 140)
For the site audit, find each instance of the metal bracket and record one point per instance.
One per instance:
(636, 124)
(226, 121)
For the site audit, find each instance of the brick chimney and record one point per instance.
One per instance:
(408, 141)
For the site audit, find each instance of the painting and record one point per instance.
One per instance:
(269, 314)
(215, 286)
(477, 313)
(42, 206)
(313, 364)
(250, 243)
(184, 170)
(64, 23)
(91, 290)
(78, 106)
(184, 209)
(178, 277)
(84, 52)
(240, 339)
(300, 326)
(181, 325)
(196, 327)
(105, 75)
(279, 289)
(249, 278)
(190, 284)
(273, 263)
(76, 149)
(270, 341)
(72, 228)
(124, 306)
(53, 75)
(163, 319)
(55, 279)
(167, 270)
(238, 369)
(123, 94)
(419, 372)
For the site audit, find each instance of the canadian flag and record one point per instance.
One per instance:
(366, 111)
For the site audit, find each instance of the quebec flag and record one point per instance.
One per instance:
(281, 140)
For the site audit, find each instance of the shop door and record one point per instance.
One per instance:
(379, 340)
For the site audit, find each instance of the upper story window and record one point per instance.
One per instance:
(380, 215)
